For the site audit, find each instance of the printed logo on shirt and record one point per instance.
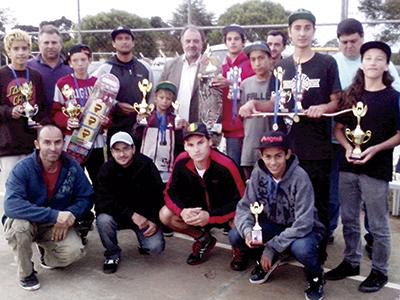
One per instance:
(306, 83)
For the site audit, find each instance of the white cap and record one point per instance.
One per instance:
(121, 136)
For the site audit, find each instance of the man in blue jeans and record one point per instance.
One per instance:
(288, 219)
(129, 196)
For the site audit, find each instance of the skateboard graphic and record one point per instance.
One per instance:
(99, 104)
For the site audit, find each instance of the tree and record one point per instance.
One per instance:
(386, 10)
(199, 15)
(254, 12)
(167, 42)
(101, 42)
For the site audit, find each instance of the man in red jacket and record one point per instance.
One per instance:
(202, 192)
(232, 126)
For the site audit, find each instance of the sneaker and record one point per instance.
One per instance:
(201, 248)
(342, 271)
(42, 262)
(30, 283)
(374, 282)
(239, 260)
(225, 231)
(315, 288)
(259, 276)
(110, 265)
(167, 232)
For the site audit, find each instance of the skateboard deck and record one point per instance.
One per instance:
(99, 104)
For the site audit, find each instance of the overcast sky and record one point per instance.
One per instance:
(34, 12)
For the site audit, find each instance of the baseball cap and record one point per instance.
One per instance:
(233, 27)
(257, 45)
(301, 14)
(122, 137)
(274, 139)
(166, 85)
(195, 129)
(121, 29)
(80, 48)
(376, 45)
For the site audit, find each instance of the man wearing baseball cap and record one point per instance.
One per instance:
(289, 220)
(202, 192)
(129, 196)
(312, 78)
(129, 71)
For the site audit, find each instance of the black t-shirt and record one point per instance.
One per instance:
(382, 118)
(310, 138)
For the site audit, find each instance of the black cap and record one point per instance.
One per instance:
(121, 29)
(301, 14)
(376, 45)
(233, 28)
(80, 48)
(195, 129)
(257, 45)
(349, 26)
(167, 85)
(272, 139)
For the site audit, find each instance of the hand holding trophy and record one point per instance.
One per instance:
(358, 136)
(143, 109)
(256, 233)
(72, 109)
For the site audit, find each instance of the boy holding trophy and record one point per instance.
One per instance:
(281, 197)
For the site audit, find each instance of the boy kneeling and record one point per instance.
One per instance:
(288, 220)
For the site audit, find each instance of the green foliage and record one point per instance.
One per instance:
(101, 42)
(199, 15)
(386, 10)
(254, 12)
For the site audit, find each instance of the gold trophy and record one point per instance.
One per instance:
(72, 109)
(256, 233)
(284, 96)
(144, 109)
(29, 110)
(358, 136)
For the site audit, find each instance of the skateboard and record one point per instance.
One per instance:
(99, 104)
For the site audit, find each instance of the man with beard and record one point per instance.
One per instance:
(130, 71)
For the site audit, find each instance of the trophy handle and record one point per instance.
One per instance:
(349, 135)
(150, 107)
(35, 109)
(367, 136)
(136, 107)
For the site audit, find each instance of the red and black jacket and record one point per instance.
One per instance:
(218, 192)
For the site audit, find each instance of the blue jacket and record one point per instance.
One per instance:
(26, 193)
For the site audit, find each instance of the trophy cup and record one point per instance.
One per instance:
(358, 136)
(144, 109)
(256, 233)
(72, 109)
(29, 110)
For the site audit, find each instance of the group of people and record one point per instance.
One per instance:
(166, 173)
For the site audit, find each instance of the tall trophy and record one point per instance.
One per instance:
(72, 109)
(144, 109)
(256, 233)
(29, 110)
(358, 136)
(298, 92)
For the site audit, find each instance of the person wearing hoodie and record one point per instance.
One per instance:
(130, 71)
(288, 219)
(232, 126)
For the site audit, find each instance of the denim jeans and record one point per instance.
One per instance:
(234, 149)
(305, 249)
(353, 189)
(108, 227)
(334, 204)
